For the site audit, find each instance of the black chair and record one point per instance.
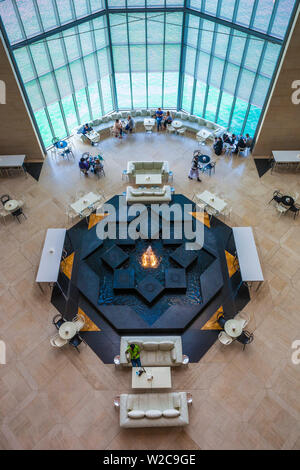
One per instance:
(277, 196)
(221, 320)
(295, 208)
(17, 214)
(245, 338)
(58, 321)
(75, 341)
(4, 199)
(209, 167)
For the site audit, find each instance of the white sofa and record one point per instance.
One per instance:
(148, 195)
(154, 410)
(155, 350)
(151, 167)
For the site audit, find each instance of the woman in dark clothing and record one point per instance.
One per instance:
(218, 146)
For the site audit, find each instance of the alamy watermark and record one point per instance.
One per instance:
(296, 353)
(2, 92)
(2, 352)
(134, 223)
(296, 93)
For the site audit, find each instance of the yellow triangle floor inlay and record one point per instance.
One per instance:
(212, 323)
(89, 324)
(232, 263)
(95, 218)
(66, 265)
(202, 217)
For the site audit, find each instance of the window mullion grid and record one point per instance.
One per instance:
(67, 64)
(226, 61)
(182, 59)
(97, 69)
(56, 87)
(164, 52)
(56, 13)
(241, 69)
(210, 67)
(20, 22)
(36, 77)
(129, 61)
(257, 74)
(111, 62)
(196, 63)
(146, 42)
(84, 72)
(273, 16)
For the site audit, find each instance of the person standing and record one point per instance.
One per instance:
(194, 171)
(159, 116)
(118, 130)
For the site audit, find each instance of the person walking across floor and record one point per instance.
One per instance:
(194, 171)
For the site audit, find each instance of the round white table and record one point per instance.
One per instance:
(67, 330)
(176, 123)
(149, 122)
(233, 328)
(11, 205)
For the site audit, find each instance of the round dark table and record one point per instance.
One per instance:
(204, 159)
(287, 201)
(61, 144)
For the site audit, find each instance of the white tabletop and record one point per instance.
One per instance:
(233, 328)
(84, 202)
(213, 201)
(149, 122)
(11, 205)
(161, 378)
(204, 133)
(247, 254)
(148, 179)
(51, 255)
(11, 160)
(92, 135)
(67, 330)
(177, 124)
(286, 156)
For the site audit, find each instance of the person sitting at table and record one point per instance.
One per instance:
(167, 120)
(159, 117)
(133, 351)
(241, 145)
(97, 165)
(118, 129)
(194, 171)
(249, 141)
(130, 124)
(86, 129)
(226, 139)
(84, 165)
(218, 146)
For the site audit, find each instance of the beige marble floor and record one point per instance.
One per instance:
(53, 399)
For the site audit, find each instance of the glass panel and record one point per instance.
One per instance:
(173, 27)
(282, 18)
(77, 75)
(57, 120)
(95, 100)
(10, 21)
(155, 58)
(227, 9)
(263, 15)
(55, 47)
(196, 4)
(193, 25)
(211, 7)
(190, 60)
(225, 109)
(252, 121)
(63, 82)
(71, 44)
(187, 93)
(96, 5)
(244, 12)
(70, 113)
(106, 94)
(261, 90)
(44, 127)
(154, 90)
(24, 64)
(80, 8)
(212, 103)
(139, 90)
(40, 58)
(121, 60)
(82, 106)
(170, 89)
(64, 11)
(199, 99)
(270, 59)
(155, 29)
(48, 88)
(123, 90)
(28, 17)
(172, 57)
(99, 32)
(116, 3)
(34, 95)
(85, 38)
(238, 117)
(118, 29)
(216, 74)
(47, 14)
(90, 68)
(138, 58)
